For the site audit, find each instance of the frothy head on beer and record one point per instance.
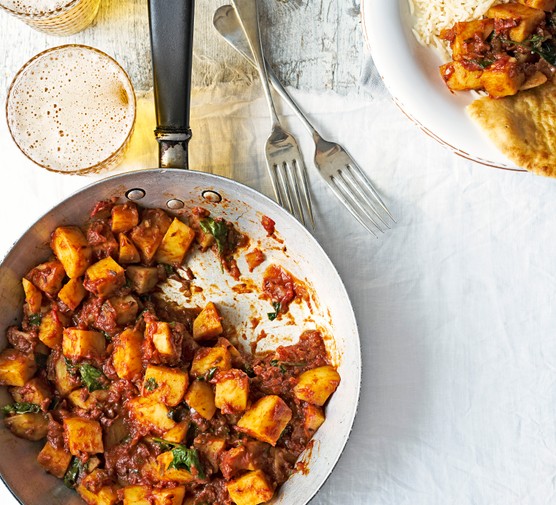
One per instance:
(35, 7)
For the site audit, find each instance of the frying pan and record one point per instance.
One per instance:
(173, 188)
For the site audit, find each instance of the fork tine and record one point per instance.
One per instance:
(292, 183)
(301, 174)
(336, 188)
(368, 185)
(285, 188)
(272, 170)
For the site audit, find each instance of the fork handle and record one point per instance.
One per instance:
(248, 14)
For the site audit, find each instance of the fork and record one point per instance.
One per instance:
(339, 170)
(284, 161)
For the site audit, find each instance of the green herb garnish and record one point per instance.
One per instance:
(277, 307)
(72, 474)
(218, 230)
(210, 373)
(168, 268)
(90, 376)
(21, 408)
(35, 319)
(483, 63)
(71, 367)
(151, 384)
(183, 458)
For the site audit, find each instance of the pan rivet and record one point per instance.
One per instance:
(211, 196)
(175, 204)
(135, 194)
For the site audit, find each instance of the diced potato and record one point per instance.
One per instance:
(35, 391)
(79, 344)
(172, 474)
(51, 329)
(72, 293)
(48, 277)
(207, 358)
(143, 495)
(200, 397)
(178, 433)
(152, 415)
(232, 391)
(211, 447)
(266, 419)
(467, 31)
(31, 426)
(142, 279)
(16, 368)
(148, 235)
(72, 249)
(160, 334)
(54, 461)
(83, 435)
(165, 384)
(313, 417)
(33, 296)
(126, 356)
(106, 495)
(502, 79)
(254, 258)
(460, 78)
(545, 5)
(104, 277)
(124, 217)
(175, 244)
(83, 399)
(316, 385)
(65, 381)
(251, 488)
(236, 460)
(526, 17)
(125, 307)
(208, 323)
(128, 253)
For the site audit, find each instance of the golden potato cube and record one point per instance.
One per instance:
(51, 329)
(128, 253)
(33, 296)
(125, 308)
(316, 385)
(35, 391)
(459, 78)
(251, 488)
(124, 217)
(142, 279)
(172, 474)
(266, 419)
(313, 417)
(151, 414)
(70, 246)
(175, 244)
(31, 426)
(104, 277)
(126, 354)
(178, 433)
(144, 495)
(16, 368)
(106, 495)
(200, 397)
(72, 293)
(48, 277)
(54, 461)
(527, 18)
(165, 384)
(208, 323)
(160, 334)
(78, 344)
(502, 79)
(85, 400)
(136, 495)
(148, 234)
(83, 435)
(65, 382)
(232, 391)
(207, 358)
(544, 5)
(467, 31)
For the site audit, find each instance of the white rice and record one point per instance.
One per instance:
(433, 16)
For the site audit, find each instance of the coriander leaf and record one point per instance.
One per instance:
(151, 384)
(90, 376)
(21, 408)
(168, 268)
(210, 373)
(185, 458)
(273, 315)
(483, 63)
(218, 230)
(72, 474)
(35, 319)
(71, 367)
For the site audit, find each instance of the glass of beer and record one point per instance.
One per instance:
(56, 17)
(71, 109)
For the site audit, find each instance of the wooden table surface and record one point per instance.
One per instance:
(312, 45)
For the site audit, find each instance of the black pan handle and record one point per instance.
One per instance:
(171, 27)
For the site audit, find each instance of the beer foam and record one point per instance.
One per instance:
(71, 108)
(35, 7)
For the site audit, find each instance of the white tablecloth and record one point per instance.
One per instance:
(455, 304)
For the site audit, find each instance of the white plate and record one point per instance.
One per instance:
(410, 72)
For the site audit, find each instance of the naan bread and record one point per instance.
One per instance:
(522, 126)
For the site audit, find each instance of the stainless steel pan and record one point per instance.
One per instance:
(171, 188)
